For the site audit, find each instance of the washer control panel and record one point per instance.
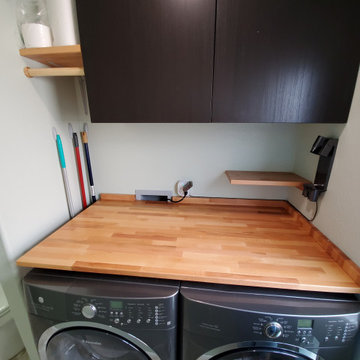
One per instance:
(307, 332)
(123, 313)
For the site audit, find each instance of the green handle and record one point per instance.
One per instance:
(61, 151)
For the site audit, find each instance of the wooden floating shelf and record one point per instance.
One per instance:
(265, 178)
(63, 61)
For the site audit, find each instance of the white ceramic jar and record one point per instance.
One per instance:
(63, 22)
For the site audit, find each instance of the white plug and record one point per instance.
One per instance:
(180, 187)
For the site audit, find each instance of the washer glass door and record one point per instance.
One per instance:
(91, 344)
(261, 354)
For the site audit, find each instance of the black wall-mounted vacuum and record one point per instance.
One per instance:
(325, 148)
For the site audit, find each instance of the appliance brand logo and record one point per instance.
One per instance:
(92, 342)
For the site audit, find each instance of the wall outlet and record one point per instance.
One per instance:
(153, 195)
(180, 187)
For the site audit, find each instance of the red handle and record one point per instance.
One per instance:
(81, 179)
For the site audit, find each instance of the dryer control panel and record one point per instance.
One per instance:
(123, 313)
(124, 303)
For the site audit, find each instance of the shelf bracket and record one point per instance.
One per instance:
(54, 71)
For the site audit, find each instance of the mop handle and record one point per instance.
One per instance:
(78, 163)
(65, 176)
(88, 162)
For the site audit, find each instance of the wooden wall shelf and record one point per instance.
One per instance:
(62, 60)
(265, 178)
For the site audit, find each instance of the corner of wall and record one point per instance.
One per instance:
(338, 214)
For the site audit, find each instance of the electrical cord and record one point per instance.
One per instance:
(315, 213)
(177, 201)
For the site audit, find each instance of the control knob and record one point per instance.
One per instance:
(273, 330)
(89, 311)
(304, 340)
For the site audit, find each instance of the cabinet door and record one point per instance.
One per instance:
(285, 60)
(148, 60)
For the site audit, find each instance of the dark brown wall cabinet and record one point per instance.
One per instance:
(220, 60)
(285, 60)
(148, 60)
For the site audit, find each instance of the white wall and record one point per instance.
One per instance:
(32, 199)
(31, 192)
(339, 213)
(127, 157)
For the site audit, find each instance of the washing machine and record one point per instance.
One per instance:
(238, 323)
(77, 316)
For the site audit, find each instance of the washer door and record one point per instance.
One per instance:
(262, 354)
(262, 350)
(91, 341)
(91, 344)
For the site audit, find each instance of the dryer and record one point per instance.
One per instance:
(239, 323)
(76, 316)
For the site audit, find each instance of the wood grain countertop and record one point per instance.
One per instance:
(227, 241)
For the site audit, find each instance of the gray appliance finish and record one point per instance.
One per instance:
(239, 323)
(91, 317)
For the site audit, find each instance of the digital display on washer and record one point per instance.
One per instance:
(116, 305)
(305, 324)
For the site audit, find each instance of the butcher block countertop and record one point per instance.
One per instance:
(228, 241)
